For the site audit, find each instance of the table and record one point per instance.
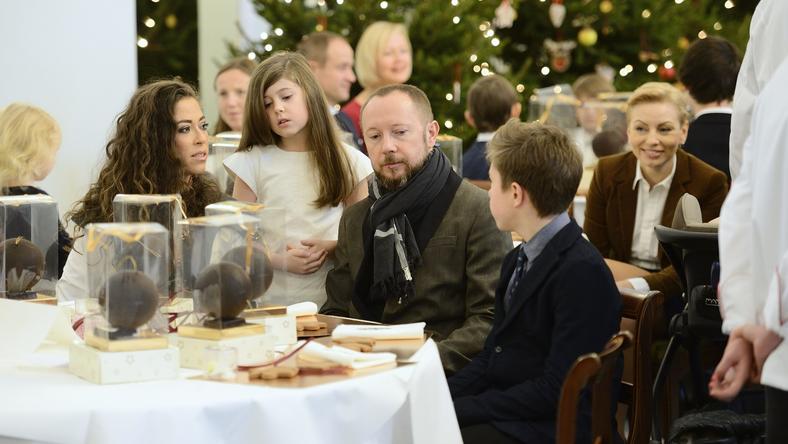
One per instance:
(40, 401)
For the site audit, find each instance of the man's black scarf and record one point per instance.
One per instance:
(398, 226)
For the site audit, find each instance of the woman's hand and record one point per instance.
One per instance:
(734, 369)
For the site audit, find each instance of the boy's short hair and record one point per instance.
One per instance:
(542, 159)
(589, 86)
(710, 69)
(490, 101)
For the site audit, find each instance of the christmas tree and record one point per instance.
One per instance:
(456, 41)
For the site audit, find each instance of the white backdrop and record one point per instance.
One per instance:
(76, 59)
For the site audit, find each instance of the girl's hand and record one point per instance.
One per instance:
(302, 260)
(733, 370)
(315, 245)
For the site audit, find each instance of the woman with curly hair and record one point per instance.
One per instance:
(160, 146)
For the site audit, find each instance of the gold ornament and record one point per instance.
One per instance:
(605, 6)
(171, 21)
(587, 36)
(683, 43)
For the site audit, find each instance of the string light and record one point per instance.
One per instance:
(545, 71)
(495, 41)
(384, 4)
(520, 87)
(449, 97)
(652, 68)
(251, 55)
(339, 2)
(625, 71)
(729, 4)
(717, 26)
(473, 58)
(486, 72)
(645, 14)
(263, 35)
(702, 35)
(142, 42)
(678, 2)
(668, 64)
(278, 32)
(455, 2)
(149, 22)
(477, 68)
(269, 47)
(455, 19)
(448, 124)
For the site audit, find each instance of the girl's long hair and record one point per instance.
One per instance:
(141, 157)
(328, 155)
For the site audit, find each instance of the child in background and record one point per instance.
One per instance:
(290, 156)
(491, 102)
(587, 88)
(29, 141)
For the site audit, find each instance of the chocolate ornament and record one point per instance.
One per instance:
(133, 301)
(24, 265)
(261, 274)
(224, 290)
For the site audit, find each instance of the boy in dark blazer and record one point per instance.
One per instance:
(556, 299)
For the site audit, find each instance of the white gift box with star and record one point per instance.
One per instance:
(102, 367)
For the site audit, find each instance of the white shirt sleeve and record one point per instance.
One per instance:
(241, 165)
(72, 285)
(361, 165)
(639, 284)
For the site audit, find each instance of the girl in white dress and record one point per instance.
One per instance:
(290, 156)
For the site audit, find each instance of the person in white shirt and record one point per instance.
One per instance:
(290, 156)
(766, 49)
(754, 262)
(634, 191)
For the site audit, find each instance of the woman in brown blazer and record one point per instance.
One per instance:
(634, 191)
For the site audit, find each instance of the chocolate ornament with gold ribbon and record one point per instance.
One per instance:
(224, 289)
(133, 301)
(24, 265)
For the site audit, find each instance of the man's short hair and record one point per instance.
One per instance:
(709, 70)
(417, 96)
(490, 101)
(314, 46)
(589, 86)
(542, 159)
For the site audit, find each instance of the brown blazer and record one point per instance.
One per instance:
(455, 284)
(611, 205)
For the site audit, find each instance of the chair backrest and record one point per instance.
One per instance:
(642, 315)
(691, 253)
(596, 370)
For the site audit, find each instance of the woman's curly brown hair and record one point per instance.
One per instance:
(141, 158)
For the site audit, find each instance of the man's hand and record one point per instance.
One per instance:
(733, 370)
(763, 341)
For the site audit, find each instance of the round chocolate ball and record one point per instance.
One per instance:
(133, 299)
(24, 264)
(260, 271)
(224, 289)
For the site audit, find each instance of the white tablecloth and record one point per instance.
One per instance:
(41, 401)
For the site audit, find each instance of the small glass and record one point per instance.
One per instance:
(221, 362)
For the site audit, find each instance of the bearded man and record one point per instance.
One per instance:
(423, 246)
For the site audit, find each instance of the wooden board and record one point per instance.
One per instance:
(123, 345)
(194, 331)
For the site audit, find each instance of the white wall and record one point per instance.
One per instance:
(218, 23)
(77, 59)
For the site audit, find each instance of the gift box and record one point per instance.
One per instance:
(101, 367)
(251, 349)
(279, 326)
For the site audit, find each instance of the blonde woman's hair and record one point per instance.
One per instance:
(327, 154)
(659, 92)
(27, 134)
(372, 42)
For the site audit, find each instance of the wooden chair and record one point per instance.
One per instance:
(643, 316)
(598, 371)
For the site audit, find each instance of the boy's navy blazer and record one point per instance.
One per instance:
(566, 305)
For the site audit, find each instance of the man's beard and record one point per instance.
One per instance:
(392, 184)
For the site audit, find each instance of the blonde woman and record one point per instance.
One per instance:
(29, 141)
(383, 57)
